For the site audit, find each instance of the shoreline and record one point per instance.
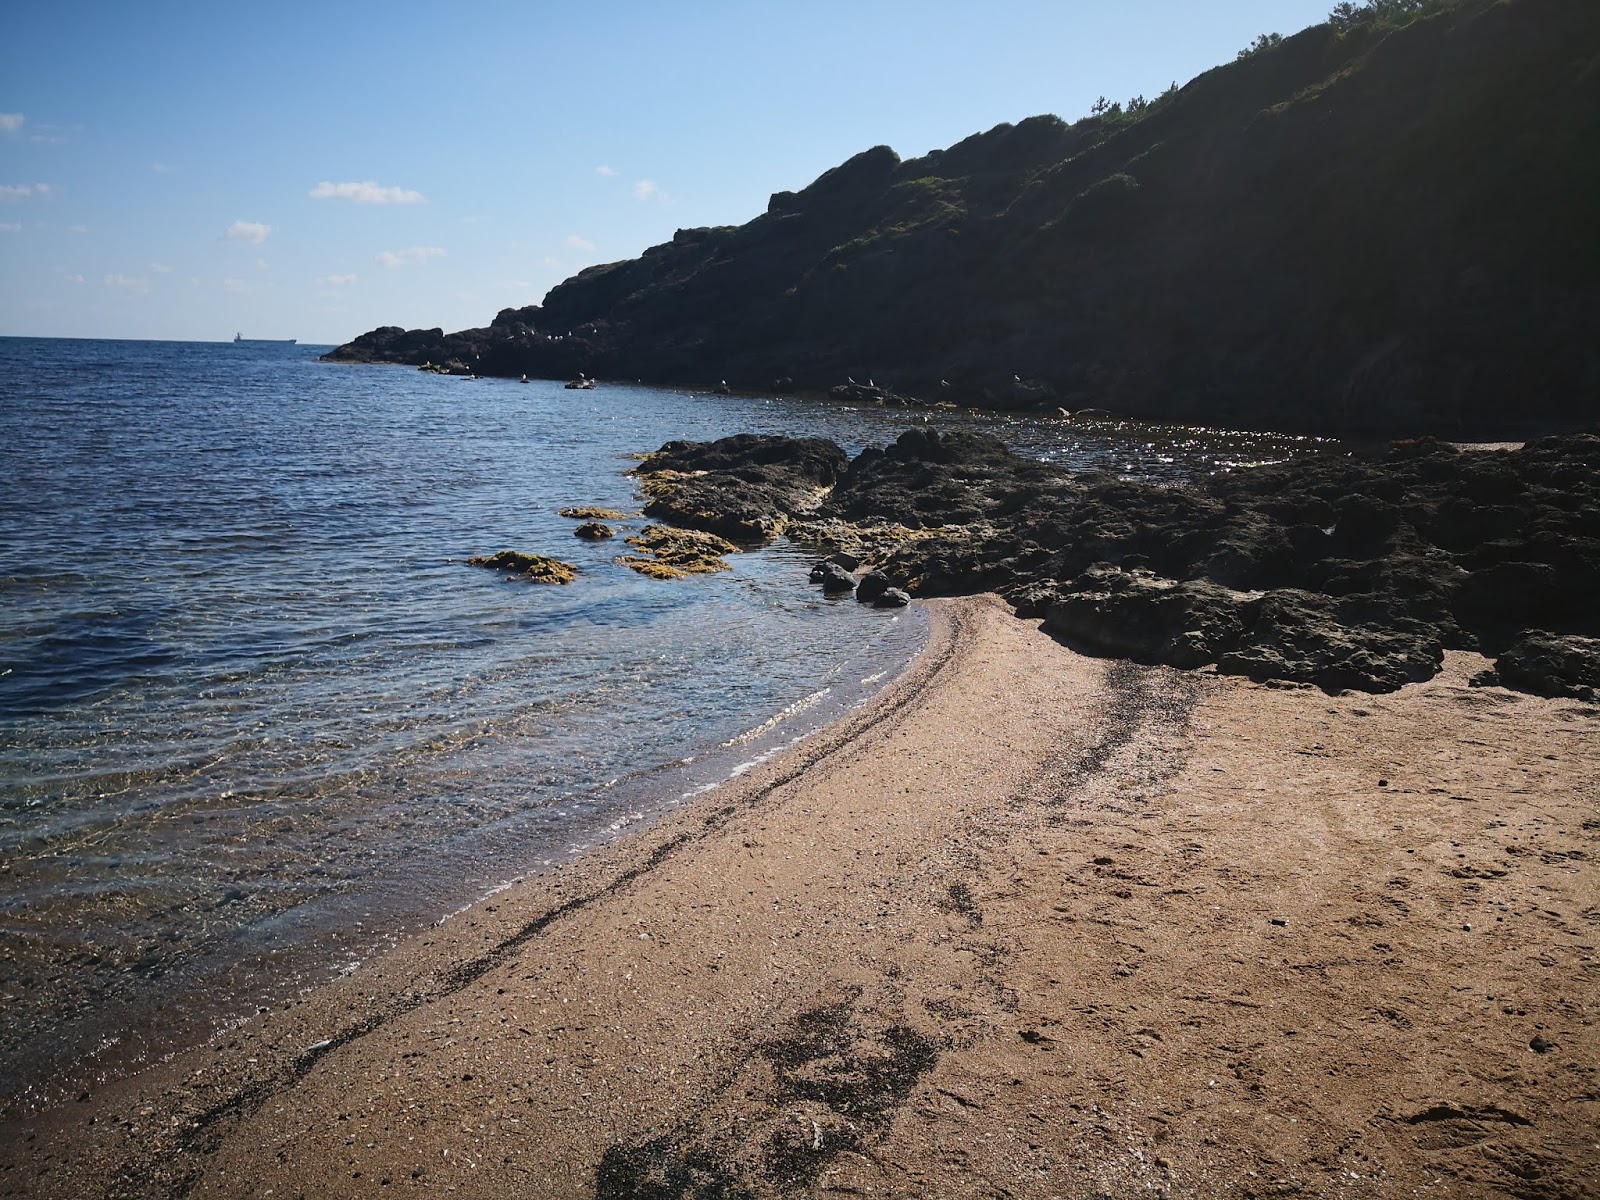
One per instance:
(1026, 920)
(327, 937)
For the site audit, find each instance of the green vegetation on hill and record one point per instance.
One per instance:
(1382, 223)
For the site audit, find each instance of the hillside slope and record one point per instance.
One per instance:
(1356, 230)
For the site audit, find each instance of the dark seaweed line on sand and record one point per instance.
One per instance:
(202, 1137)
(697, 1158)
(1133, 697)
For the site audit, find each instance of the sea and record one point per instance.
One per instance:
(259, 718)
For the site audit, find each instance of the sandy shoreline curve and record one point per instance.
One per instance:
(1028, 924)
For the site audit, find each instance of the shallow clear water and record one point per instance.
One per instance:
(256, 715)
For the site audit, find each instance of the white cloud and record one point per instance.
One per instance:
(550, 260)
(236, 285)
(78, 279)
(580, 243)
(366, 193)
(644, 189)
(338, 280)
(11, 122)
(161, 168)
(21, 191)
(10, 226)
(253, 232)
(161, 268)
(608, 171)
(414, 256)
(261, 264)
(77, 229)
(132, 283)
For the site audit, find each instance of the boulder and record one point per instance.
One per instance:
(1140, 616)
(835, 580)
(530, 568)
(871, 586)
(1547, 664)
(1299, 636)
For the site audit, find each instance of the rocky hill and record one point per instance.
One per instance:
(1375, 225)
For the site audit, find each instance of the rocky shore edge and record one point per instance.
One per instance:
(1341, 570)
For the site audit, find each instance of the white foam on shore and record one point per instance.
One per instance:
(799, 706)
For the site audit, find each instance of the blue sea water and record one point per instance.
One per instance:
(257, 716)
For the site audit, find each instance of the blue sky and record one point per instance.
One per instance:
(179, 170)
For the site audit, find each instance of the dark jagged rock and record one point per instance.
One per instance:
(1136, 615)
(1337, 569)
(1364, 228)
(835, 580)
(891, 598)
(1303, 637)
(1548, 665)
(871, 586)
(745, 488)
(866, 393)
(594, 531)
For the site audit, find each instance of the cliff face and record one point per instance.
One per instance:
(1360, 230)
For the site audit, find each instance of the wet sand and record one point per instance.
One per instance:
(1031, 924)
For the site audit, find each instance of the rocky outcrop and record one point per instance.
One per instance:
(745, 488)
(1361, 229)
(1335, 569)
(1548, 665)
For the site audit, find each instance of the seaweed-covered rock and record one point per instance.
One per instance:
(594, 531)
(592, 512)
(533, 568)
(668, 553)
(745, 488)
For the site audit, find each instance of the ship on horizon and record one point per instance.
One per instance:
(240, 340)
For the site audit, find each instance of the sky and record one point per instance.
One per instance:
(186, 171)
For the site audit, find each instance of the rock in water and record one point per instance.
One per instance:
(835, 580)
(534, 568)
(872, 585)
(670, 553)
(594, 531)
(745, 488)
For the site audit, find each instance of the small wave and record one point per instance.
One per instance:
(799, 706)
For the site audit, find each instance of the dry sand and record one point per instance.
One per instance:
(1030, 925)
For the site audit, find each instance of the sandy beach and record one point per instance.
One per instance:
(1030, 924)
